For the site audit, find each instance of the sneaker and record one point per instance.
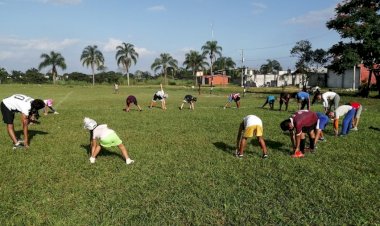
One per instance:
(322, 139)
(265, 156)
(129, 161)
(56, 113)
(18, 145)
(92, 159)
(297, 154)
(354, 129)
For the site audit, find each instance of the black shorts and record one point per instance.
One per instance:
(237, 99)
(308, 129)
(8, 115)
(188, 98)
(155, 97)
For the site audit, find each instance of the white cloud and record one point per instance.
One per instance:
(112, 43)
(37, 44)
(313, 17)
(6, 55)
(157, 8)
(258, 7)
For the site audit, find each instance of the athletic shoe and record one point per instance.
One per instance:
(92, 159)
(265, 156)
(322, 139)
(297, 154)
(56, 113)
(129, 161)
(354, 129)
(18, 145)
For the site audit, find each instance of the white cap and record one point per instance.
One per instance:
(89, 124)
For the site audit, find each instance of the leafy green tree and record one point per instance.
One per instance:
(163, 63)
(212, 49)
(34, 76)
(125, 56)
(358, 24)
(196, 62)
(224, 64)
(93, 57)
(3, 75)
(272, 66)
(54, 60)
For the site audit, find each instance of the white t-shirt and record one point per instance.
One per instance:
(251, 120)
(18, 102)
(327, 96)
(101, 131)
(342, 110)
(160, 93)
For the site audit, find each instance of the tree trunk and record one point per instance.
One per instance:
(369, 83)
(128, 77)
(377, 76)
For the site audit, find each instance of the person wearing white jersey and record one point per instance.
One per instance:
(28, 107)
(101, 135)
(161, 96)
(251, 125)
(348, 112)
(329, 98)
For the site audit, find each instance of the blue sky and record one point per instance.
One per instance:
(261, 29)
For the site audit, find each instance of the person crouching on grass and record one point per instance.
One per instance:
(190, 100)
(252, 125)
(349, 113)
(270, 100)
(49, 105)
(301, 122)
(131, 100)
(101, 135)
(233, 97)
(161, 96)
(28, 107)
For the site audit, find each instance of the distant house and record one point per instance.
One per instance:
(351, 78)
(217, 79)
(282, 78)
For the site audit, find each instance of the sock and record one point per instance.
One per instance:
(311, 143)
(302, 145)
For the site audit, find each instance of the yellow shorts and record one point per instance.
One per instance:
(256, 130)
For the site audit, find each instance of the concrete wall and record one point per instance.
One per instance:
(345, 81)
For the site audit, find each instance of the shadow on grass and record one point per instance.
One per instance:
(103, 151)
(374, 128)
(224, 147)
(31, 133)
(273, 145)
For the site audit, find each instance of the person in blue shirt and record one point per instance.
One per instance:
(323, 120)
(303, 99)
(270, 100)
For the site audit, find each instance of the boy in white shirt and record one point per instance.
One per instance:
(348, 112)
(329, 98)
(28, 107)
(101, 135)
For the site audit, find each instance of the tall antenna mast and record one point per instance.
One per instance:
(212, 31)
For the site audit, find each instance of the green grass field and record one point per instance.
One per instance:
(184, 171)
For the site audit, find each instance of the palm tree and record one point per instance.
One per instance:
(91, 56)
(164, 62)
(195, 61)
(125, 55)
(212, 49)
(55, 60)
(224, 63)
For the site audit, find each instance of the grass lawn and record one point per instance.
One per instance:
(184, 171)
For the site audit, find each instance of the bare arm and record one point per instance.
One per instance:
(241, 127)
(25, 122)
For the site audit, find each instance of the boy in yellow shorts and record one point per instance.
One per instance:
(252, 125)
(106, 137)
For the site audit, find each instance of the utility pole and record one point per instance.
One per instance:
(242, 68)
